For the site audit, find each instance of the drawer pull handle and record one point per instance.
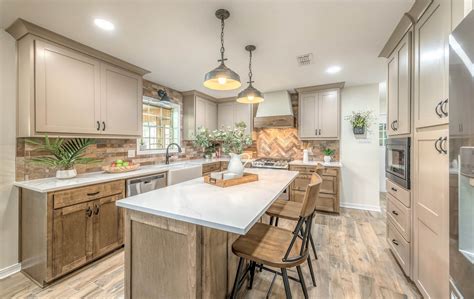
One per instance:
(394, 189)
(394, 242)
(395, 213)
(93, 193)
(88, 212)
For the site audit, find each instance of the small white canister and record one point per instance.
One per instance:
(305, 156)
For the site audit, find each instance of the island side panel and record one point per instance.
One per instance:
(214, 263)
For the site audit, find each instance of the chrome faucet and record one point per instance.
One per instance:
(167, 151)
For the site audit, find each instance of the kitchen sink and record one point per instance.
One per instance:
(181, 172)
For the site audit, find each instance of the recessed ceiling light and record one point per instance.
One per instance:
(333, 69)
(104, 24)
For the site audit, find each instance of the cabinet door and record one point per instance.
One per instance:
(431, 69)
(308, 116)
(67, 90)
(225, 115)
(121, 102)
(108, 225)
(200, 113)
(328, 111)
(431, 214)
(392, 93)
(211, 115)
(243, 113)
(402, 125)
(72, 237)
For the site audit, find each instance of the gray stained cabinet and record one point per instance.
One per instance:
(64, 230)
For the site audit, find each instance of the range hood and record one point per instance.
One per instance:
(275, 111)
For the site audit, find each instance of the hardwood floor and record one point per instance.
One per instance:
(354, 262)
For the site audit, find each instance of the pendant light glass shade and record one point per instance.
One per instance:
(250, 95)
(222, 77)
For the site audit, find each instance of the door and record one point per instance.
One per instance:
(211, 115)
(328, 111)
(431, 68)
(431, 225)
(200, 113)
(392, 92)
(121, 102)
(72, 237)
(108, 225)
(225, 115)
(67, 96)
(309, 119)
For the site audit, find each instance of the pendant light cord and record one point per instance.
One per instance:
(222, 40)
(250, 69)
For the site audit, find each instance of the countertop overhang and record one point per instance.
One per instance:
(233, 209)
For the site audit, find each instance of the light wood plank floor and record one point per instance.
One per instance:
(354, 262)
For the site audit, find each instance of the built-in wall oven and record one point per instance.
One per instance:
(397, 161)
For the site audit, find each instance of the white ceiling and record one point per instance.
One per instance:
(178, 41)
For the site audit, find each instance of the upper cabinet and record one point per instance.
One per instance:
(230, 113)
(68, 89)
(431, 66)
(398, 88)
(319, 114)
(200, 111)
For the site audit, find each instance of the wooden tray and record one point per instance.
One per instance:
(246, 178)
(120, 169)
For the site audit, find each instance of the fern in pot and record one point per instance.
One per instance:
(63, 155)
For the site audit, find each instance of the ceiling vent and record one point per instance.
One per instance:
(305, 59)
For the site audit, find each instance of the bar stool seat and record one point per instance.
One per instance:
(285, 209)
(265, 244)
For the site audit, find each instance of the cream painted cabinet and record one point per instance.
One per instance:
(230, 113)
(199, 112)
(431, 66)
(211, 115)
(431, 185)
(121, 101)
(67, 90)
(319, 115)
(398, 88)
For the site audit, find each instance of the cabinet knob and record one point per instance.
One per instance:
(437, 144)
(437, 109)
(394, 189)
(444, 107)
(394, 242)
(395, 213)
(103, 126)
(96, 209)
(98, 125)
(88, 212)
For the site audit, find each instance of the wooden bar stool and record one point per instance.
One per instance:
(277, 247)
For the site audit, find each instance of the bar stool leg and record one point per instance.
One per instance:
(310, 265)
(303, 284)
(312, 245)
(286, 283)
(271, 220)
(276, 221)
(252, 274)
(237, 278)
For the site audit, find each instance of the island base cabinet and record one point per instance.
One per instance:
(166, 258)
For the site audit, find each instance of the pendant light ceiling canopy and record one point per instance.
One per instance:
(250, 95)
(222, 77)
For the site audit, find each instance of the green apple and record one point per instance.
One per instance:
(118, 161)
(125, 164)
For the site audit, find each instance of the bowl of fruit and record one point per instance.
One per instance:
(121, 166)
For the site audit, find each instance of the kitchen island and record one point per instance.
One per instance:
(178, 239)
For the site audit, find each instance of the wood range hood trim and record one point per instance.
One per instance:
(280, 121)
(20, 28)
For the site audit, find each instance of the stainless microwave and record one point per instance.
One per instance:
(397, 161)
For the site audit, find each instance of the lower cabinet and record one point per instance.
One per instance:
(64, 230)
(328, 200)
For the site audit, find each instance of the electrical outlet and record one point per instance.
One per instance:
(131, 153)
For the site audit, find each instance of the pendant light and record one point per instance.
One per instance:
(222, 77)
(250, 95)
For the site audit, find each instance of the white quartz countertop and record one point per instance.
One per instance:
(315, 163)
(233, 209)
(54, 184)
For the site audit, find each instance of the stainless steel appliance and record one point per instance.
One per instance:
(276, 163)
(397, 161)
(461, 154)
(145, 184)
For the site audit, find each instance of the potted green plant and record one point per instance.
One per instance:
(64, 155)
(360, 121)
(207, 141)
(328, 154)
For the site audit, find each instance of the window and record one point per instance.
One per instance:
(160, 126)
(382, 134)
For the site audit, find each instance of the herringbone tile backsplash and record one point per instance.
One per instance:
(284, 143)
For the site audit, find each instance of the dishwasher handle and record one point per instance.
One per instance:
(145, 180)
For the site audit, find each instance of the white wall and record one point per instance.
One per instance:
(8, 193)
(360, 157)
(382, 119)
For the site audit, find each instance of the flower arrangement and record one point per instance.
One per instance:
(231, 140)
(360, 121)
(206, 140)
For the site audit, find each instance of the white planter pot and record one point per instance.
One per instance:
(327, 159)
(66, 174)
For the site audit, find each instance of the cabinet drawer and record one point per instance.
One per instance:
(329, 184)
(326, 202)
(84, 194)
(216, 166)
(330, 171)
(399, 247)
(400, 216)
(303, 169)
(399, 193)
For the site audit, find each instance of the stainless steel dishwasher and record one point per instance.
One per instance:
(145, 184)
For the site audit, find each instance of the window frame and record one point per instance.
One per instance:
(176, 109)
